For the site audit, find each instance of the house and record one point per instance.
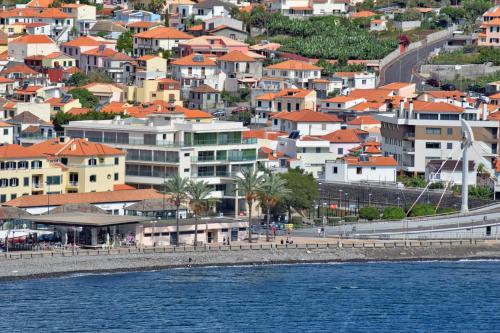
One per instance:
(357, 80)
(83, 15)
(130, 15)
(196, 69)
(6, 133)
(350, 169)
(211, 45)
(157, 39)
(58, 59)
(402, 89)
(147, 67)
(284, 100)
(306, 8)
(449, 172)
(31, 45)
(147, 91)
(211, 8)
(306, 122)
(106, 92)
(204, 97)
(222, 21)
(63, 104)
(324, 87)
(366, 123)
(77, 46)
(109, 29)
(490, 28)
(142, 26)
(106, 59)
(241, 70)
(89, 166)
(6, 86)
(26, 124)
(342, 141)
(229, 32)
(378, 25)
(338, 104)
(298, 72)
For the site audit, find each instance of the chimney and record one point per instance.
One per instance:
(485, 111)
(158, 108)
(73, 147)
(401, 109)
(426, 97)
(410, 109)
(463, 102)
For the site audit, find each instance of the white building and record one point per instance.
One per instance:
(449, 171)
(6, 133)
(358, 80)
(31, 45)
(342, 141)
(297, 72)
(166, 143)
(151, 41)
(364, 168)
(195, 70)
(306, 122)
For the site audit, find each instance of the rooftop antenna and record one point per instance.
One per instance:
(468, 139)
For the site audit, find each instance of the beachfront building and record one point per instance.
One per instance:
(421, 131)
(166, 143)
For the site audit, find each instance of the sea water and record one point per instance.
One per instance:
(351, 297)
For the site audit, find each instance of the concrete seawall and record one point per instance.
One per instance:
(37, 267)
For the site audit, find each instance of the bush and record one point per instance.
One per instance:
(369, 213)
(318, 221)
(445, 210)
(393, 213)
(351, 218)
(296, 220)
(436, 185)
(480, 192)
(334, 220)
(423, 210)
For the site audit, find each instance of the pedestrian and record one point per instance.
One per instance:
(319, 232)
(274, 231)
(323, 231)
(224, 241)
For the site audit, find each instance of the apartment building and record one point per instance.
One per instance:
(421, 131)
(306, 122)
(297, 72)
(357, 80)
(31, 45)
(490, 28)
(165, 143)
(284, 100)
(147, 91)
(147, 67)
(88, 166)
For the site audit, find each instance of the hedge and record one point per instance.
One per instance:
(369, 213)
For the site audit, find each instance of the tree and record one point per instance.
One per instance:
(369, 213)
(156, 6)
(475, 8)
(62, 118)
(394, 213)
(199, 199)
(271, 192)
(249, 184)
(454, 13)
(86, 98)
(77, 80)
(100, 76)
(125, 42)
(177, 187)
(304, 188)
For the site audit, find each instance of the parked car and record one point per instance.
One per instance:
(448, 87)
(219, 113)
(433, 82)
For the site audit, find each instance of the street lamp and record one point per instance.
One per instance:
(369, 199)
(399, 199)
(347, 203)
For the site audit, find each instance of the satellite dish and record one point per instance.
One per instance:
(468, 134)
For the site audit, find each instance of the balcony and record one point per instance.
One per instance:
(409, 136)
(73, 183)
(201, 159)
(37, 185)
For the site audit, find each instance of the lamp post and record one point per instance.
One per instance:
(347, 203)
(399, 199)
(369, 199)
(340, 201)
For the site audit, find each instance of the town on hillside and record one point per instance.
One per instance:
(172, 122)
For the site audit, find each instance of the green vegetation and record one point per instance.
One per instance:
(409, 15)
(417, 181)
(304, 188)
(480, 192)
(393, 213)
(350, 219)
(478, 84)
(369, 213)
(429, 209)
(200, 201)
(87, 99)
(272, 191)
(342, 66)
(125, 42)
(176, 187)
(62, 118)
(249, 184)
(80, 79)
(327, 37)
(243, 95)
(480, 55)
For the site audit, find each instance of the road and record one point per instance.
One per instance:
(400, 70)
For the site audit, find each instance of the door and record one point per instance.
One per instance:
(488, 230)
(210, 237)
(234, 234)
(173, 238)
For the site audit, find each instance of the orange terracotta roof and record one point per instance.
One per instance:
(57, 101)
(75, 147)
(397, 85)
(443, 94)
(373, 95)
(349, 135)
(164, 33)
(372, 150)
(143, 24)
(53, 13)
(236, 56)
(148, 57)
(421, 106)
(364, 120)
(294, 65)
(198, 27)
(19, 152)
(72, 70)
(266, 97)
(262, 134)
(78, 111)
(372, 161)
(33, 39)
(493, 22)
(83, 41)
(9, 105)
(107, 52)
(39, 3)
(307, 116)
(363, 13)
(368, 106)
(6, 80)
(4, 124)
(493, 12)
(192, 60)
(81, 198)
(495, 96)
(123, 187)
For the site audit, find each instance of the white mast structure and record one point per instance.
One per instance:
(467, 141)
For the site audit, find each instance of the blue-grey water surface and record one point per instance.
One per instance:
(357, 297)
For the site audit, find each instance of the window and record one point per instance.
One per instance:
(10, 165)
(36, 164)
(13, 196)
(5, 131)
(117, 176)
(340, 151)
(433, 145)
(186, 170)
(4, 182)
(433, 131)
(323, 127)
(449, 145)
(447, 116)
(14, 182)
(363, 82)
(373, 168)
(429, 116)
(3, 198)
(335, 170)
(26, 181)
(53, 180)
(92, 161)
(318, 150)
(359, 170)
(22, 165)
(449, 131)
(117, 160)
(93, 178)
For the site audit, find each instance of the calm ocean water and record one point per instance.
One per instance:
(372, 297)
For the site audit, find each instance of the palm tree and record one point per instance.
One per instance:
(199, 200)
(272, 190)
(177, 187)
(249, 183)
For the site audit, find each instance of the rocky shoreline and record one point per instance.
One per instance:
(42, 267)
